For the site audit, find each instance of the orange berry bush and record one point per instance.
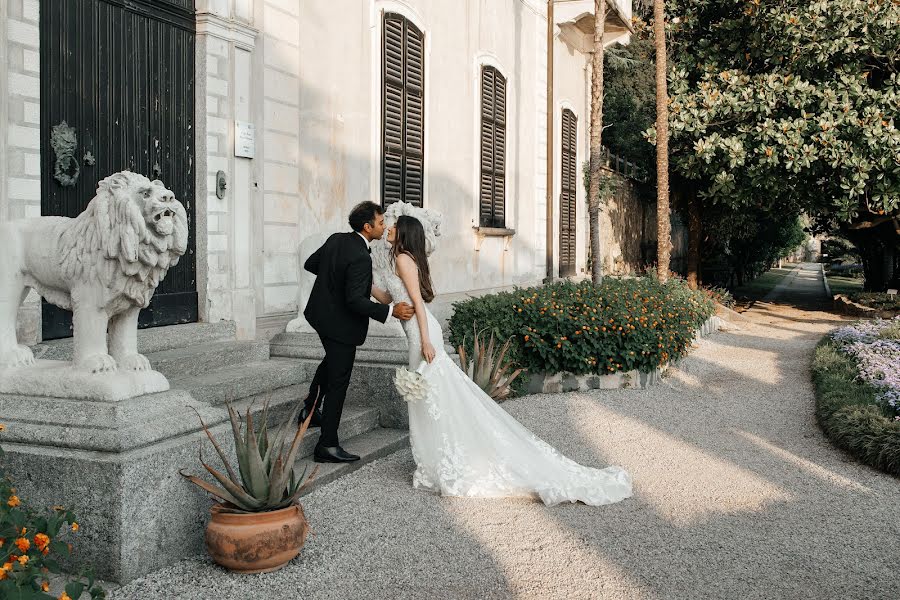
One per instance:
(32, 543)
(582, 328)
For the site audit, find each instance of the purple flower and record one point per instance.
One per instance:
(877, 360)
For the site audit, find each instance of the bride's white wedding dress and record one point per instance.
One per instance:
(465, 444)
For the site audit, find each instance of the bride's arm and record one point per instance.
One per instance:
(409, 274)
(381, 295)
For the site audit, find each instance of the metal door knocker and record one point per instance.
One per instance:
(64, 142)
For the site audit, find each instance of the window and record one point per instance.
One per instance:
(492, 193)
(402, 114)
(567, 204)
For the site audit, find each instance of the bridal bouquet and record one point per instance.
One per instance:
(411, 384)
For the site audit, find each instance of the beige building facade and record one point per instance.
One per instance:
(308, 78)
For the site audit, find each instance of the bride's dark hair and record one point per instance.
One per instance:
(411, 241)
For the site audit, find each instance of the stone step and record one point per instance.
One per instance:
(206, 357)
(381, 350)
(154, 339)
(233, 383)
(370, 446)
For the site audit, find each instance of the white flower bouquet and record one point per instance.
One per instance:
(411, 384)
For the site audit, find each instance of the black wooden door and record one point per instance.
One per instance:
(121, 74)
(567, 202)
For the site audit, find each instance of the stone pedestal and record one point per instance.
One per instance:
(48, 378)
(115, 464)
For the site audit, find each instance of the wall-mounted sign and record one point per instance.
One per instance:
(244, 139)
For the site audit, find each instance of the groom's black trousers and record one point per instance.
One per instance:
(332, 378)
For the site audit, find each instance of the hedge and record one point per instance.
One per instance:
(849, 412)
(582, 328)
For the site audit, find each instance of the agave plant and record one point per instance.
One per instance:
(489, 371)
(267, 478)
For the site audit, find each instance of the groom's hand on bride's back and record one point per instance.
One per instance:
(404, 311)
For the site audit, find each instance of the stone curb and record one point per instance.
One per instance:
(846, 306)
(554, 383)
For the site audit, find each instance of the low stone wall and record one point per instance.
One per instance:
(553, 383)
(846, 306)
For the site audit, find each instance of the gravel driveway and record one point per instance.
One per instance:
(737, 495)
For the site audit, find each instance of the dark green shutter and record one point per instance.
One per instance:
(492, 189)
(567, 202)
(403, 111)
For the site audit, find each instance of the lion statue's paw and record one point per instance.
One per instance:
(98, 363)
(135, 362)
(20, 356)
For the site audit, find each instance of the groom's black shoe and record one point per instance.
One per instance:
(334, 454)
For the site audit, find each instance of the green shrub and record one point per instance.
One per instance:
(618, 325)
(849, 413)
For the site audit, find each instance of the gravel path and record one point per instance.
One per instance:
(737, 495)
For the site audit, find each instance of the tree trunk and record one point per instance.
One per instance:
(695, 238)
(596, 139)
(664, 234)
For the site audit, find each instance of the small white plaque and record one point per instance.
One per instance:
(892, 292)
(244, 139)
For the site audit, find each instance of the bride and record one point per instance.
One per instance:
(463, 442)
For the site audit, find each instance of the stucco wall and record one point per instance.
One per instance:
(308, 76)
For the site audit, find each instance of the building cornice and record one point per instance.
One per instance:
(242, 35)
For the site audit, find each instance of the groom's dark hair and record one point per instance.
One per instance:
(362, 213)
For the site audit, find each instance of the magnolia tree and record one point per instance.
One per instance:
(790, 106)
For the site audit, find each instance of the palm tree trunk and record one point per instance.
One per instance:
(596, 139)
(664, 234)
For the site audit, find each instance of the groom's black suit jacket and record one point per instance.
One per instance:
(340, 304)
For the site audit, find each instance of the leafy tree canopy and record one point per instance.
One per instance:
(788, 105)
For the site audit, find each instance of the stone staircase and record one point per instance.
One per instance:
(205, 360)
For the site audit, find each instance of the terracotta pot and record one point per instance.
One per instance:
(256, 542)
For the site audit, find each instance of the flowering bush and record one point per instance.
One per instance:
(857, 375)
(617, 325)
(875, 349)
(30, 544)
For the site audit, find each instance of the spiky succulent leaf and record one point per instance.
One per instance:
(219, 450)
(259, 481)
(243, 499)
(215, 490)
(239, 445)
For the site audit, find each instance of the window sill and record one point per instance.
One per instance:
(484, 232)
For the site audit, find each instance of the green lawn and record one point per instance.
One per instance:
(845, 285)
(763, 284)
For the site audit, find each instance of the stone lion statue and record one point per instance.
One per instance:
(103, 265)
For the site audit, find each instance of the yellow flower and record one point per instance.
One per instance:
(23, 544)
(45, 587)
(7, 566)
(64, 596)
(41, 540)
(13, 501)
(74, 526)
(23, 560)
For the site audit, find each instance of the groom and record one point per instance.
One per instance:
(339, 309)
